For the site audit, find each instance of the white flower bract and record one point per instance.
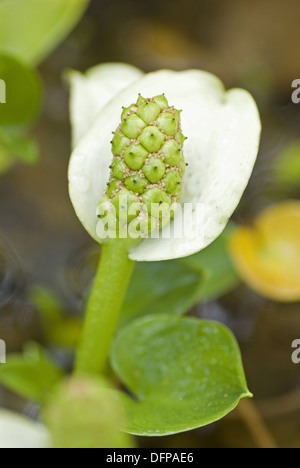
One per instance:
(18, 431)
(223, 130)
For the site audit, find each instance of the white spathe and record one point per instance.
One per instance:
(18, 431)
(223, 130)
(90, 92)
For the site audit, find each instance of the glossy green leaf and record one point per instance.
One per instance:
(175, 286)
(22, 93)
(31, 374)
(32, 28)
(159, 288)
(184, 373)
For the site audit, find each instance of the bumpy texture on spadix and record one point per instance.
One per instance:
(146, 172)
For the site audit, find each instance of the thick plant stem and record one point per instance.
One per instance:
(110, 286)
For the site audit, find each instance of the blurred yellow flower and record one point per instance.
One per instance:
(267, 255)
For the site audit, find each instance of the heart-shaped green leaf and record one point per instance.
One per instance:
(183, 372)
(22, 92)
(31, 29)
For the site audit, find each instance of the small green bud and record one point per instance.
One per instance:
(172, 152)
(119, 143)
(161, 101)
(118, 168)
(84, 413)
(112, 186)
(147, 168)
(135, 156)
(154, 169)
(177, 114)
(136, 183)
(132, 126)
(167, 123)
(172, 182)
(152, 139)
(149, 111)
(128, 111)
(122, 202)
(140, 100)
(180, 138)
(154, 198)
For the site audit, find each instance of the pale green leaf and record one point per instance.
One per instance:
(184, 373)
(31, 29)
(31, 374)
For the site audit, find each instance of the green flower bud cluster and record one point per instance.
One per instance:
(147, 168)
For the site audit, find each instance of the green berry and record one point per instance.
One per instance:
(119, 143)
(127, 111)
(118, 168)
(152, 139)
(149, 111)
(112, 186)
(132, 126)
(172, 182)
(147, 168)
(177, 114)
(180, 138)
(140, 100)
(154, 169)
(182, 166)
(161, 101)
(135, 156)
(167, 123)
(172, 152)
(122, 203)
(136, 183)
(154, 198)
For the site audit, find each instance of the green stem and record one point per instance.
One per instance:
(110, 286)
